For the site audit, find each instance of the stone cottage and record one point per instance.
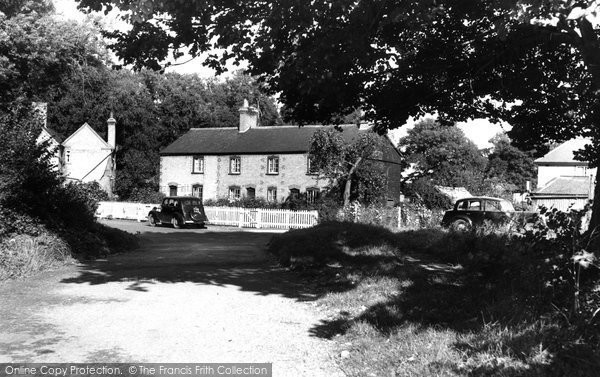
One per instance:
(255, 161)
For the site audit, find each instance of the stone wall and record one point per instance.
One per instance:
(216, 179)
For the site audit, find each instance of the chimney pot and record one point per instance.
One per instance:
(112, 137)
(248, 117)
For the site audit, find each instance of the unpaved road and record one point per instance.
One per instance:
(201, 295)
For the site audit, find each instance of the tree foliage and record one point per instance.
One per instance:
(509, 164)
(444, 154)
(533, 63)
(350, 165)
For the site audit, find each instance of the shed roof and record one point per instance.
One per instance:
(566, 187)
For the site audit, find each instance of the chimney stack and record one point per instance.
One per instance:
(248, 117)
(112, 137)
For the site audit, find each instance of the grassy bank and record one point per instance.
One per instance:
(434, 303)
(24, 255)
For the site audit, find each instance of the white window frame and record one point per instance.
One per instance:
(273, 165)
(200, 189)
(198, 164)
(235, 165)
(235, 193)
(309, 170)
(272, 194)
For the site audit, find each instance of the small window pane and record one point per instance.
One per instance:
(272, 194)
(475, 205)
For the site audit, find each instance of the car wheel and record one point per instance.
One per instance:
(176, 223)
(460, 225)
(151, 220)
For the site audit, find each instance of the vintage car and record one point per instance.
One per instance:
(470, 212)
(178, 211)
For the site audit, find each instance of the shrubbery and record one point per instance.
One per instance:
(146, 195)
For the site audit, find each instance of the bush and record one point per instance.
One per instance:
(146, 195)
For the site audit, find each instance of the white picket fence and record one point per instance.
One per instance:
(261, 218)
(232, 216)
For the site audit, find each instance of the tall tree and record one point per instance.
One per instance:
(509, 164)
(443, 154)
(533, 63)
(348, 162)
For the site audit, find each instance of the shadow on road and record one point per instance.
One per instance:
(201, 257)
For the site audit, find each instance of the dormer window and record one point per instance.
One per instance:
(273, 165)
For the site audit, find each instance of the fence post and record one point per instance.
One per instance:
(241, 216)
(258, 218)
(399, 216)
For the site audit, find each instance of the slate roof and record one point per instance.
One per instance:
(258, 140)
(565, 186)
(563, 154)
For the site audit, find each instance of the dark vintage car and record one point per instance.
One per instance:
(178, 211)
(470, 212)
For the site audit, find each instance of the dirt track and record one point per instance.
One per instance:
(209, 295)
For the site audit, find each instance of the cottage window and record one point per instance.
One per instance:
(234, 193)
(250, 192)
(173, 190)
(272, 194)
(294, 193)
(198, 165)
(235, 165)
(312, 194)
(310, 166)
(273, 165)
(198, 191)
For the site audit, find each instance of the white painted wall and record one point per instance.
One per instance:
(87, 156)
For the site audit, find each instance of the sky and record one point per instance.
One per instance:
(480, 131)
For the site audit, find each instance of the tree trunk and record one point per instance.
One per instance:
(590, 49)
(348, 184)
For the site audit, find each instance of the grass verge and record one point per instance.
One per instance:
(435, 303)
(24, 255)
